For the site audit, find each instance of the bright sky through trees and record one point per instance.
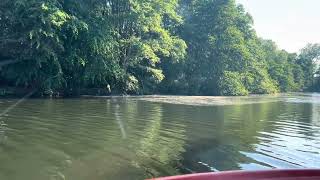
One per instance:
(290, 23)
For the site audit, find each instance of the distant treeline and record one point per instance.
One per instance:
(192, 47)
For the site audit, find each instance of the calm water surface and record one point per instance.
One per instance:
(141, 137)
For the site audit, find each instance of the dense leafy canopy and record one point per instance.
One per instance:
(200, 47)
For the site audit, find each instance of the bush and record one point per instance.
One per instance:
(230, 84)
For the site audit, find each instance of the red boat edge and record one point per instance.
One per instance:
(290, 174)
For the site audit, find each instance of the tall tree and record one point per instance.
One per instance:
(221, 43)
(308, 60)
(282, 67)
(63, 44)
(197, 47)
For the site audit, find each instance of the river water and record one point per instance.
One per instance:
(151, 136)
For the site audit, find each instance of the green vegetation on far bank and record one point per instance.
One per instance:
(191, 47)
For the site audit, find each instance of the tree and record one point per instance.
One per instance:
(232, 84)
(194, 47)
(70, 45)
(282, 67)
(33, 36)
(308, 59)
(221, 41)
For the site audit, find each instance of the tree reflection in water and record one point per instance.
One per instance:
(129, 138)
(3, 128)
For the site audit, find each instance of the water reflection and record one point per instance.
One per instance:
(119, 121)
(316, 110)
(261, 136)
(133, 138)
(161, 145)
(3, 128)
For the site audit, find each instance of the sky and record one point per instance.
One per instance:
(290, 23)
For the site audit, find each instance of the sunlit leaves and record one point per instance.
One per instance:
(145, 46)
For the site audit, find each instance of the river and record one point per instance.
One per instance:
(151, 136)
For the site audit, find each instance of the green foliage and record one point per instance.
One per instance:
(282, 67)
(309, 60)
(221, 41)
(195, 47)
(71, 45)
(231, 84)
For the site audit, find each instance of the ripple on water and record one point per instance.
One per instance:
(157, 136)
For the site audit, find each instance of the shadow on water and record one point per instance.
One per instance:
(130, 138)
(260, 136)
(90, 139)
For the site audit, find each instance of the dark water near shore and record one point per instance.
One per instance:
(141, 137)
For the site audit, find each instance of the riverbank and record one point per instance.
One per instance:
(13, 92)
